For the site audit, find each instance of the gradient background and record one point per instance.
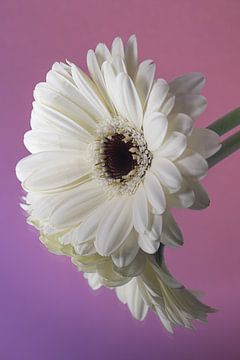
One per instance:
(47, 310)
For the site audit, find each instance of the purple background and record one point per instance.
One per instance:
(47, 310)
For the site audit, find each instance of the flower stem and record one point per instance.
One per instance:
(229, 145)
(226, 123)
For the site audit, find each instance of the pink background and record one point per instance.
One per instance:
(47, 310)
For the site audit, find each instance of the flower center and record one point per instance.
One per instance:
(118, 157)
(121, 157)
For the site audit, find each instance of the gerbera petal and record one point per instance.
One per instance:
(93, 280)
(147, 244)
(184, 198)
(85, 249)
(131, 56)
(181, 123)
(55, 100)
(204, 141)
(47, 118)
(97, 76)
(129, 103)
(191, 83)
(140, 210)
(173, 146)
(192, 105)
(157, 96)
(53, 169)
(130, 294)
(102, 53)
(135, 267)
(89, 92)
(77, 205)
(167, 173)
(114, 227)
(168, 105)
(110, 81)
(171, 233)
(201, 200)
(193, 164)
(144, 79)
(155, 128)
(68, 89)
(119, 65)
(155, 193)
(86, 230)
(117, 47)
(127, 252)
(38, 141)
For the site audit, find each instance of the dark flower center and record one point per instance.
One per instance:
(117, 157)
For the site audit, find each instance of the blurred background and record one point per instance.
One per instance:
(47, 310)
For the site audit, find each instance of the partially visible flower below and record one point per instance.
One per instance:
(111, 154)
(144, 284)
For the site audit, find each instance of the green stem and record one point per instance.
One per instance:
(229, 145)
(226, 123)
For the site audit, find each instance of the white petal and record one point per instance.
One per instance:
(77, 205)
(171, 234)
(102, 53)
(87, 229)
(150, 240)
(131, 56)
(157, 96)
(130, 294)
(147, 244)
(85, 249)
(32, 163)
(93, 280)
(164, 275)
(192, 105)
(181, 123)
(67, 89)
(193, 164)
(144, 79)
(168, 105)
(201, 197)
(135, 268)
(129, 103)
(114, 227)
(49, 119)
(63, 69)
(167, 173)
(154, 193)
(127, 252)
(52, 169)
(204, 141)
(96, 74)
(110, 81)
(89, 92)
(191, 83)
(65, 105)
(119, 65)
(173, 146)
(155, 128)
(117, 47)
(140, 210)
(184, 198)
(155, 227)
(38, 141)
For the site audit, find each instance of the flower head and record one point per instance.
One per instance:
(113, 152)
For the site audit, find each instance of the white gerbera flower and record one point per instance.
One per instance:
(113, 152)
(155, 288)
